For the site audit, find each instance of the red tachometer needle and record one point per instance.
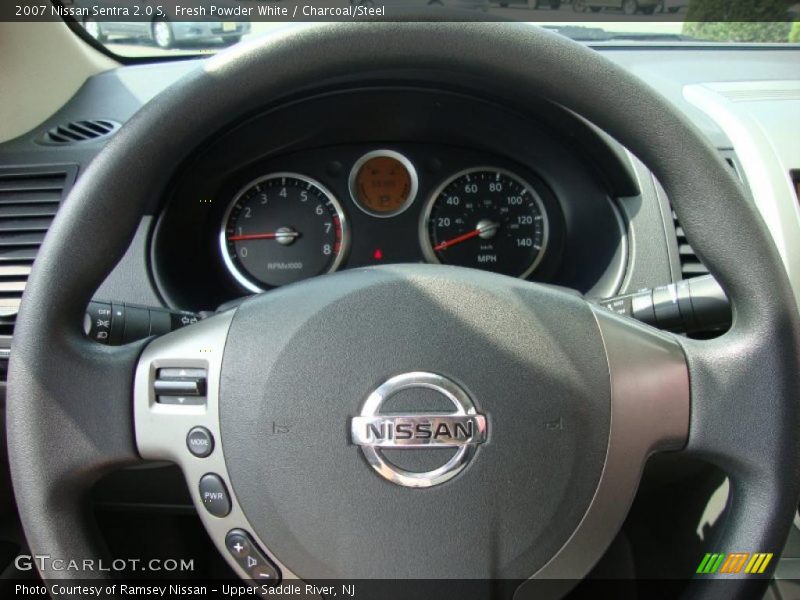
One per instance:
(263, 236)
(253, 236)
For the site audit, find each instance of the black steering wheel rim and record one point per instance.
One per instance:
(743, 417)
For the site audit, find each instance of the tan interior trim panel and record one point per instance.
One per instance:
(42, 66)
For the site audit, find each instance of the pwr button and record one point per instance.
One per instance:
(214, 495)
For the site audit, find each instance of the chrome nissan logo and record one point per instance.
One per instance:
(462, 429)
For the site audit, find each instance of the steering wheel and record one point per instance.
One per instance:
(292, 373)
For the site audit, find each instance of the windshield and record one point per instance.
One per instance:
(152, 29)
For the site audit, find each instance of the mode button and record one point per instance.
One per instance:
(200, 441)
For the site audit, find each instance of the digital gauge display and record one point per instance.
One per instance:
(383, 183)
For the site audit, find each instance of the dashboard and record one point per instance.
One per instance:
(610, 227)
(401, 176)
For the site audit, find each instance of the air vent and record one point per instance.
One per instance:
(29, 199)
(79, 131)
(729, 157)
(690, 264)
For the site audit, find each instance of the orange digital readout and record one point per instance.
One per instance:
(383, 185)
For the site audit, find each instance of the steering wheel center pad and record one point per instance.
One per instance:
(307, 356)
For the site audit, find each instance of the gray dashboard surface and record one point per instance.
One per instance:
(119, 93)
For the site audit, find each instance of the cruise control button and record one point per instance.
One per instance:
(200, 442)
(214, 495)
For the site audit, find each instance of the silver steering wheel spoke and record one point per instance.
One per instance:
(650, 408)
(176, 419)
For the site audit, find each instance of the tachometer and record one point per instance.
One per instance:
(282, 228)
(486, 218)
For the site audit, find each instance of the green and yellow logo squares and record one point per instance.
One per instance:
(734, 562)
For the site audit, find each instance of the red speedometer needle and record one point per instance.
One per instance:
(457, 240)
(481, 228)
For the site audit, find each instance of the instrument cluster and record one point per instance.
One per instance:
(354, 207)
(329, 182)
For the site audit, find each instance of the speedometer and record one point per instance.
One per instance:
(282, 228)
(486, 218)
